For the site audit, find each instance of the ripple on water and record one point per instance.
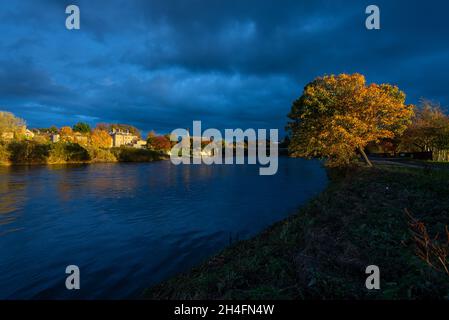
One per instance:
(128, 226)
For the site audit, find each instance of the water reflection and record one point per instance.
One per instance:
(12, 196)
(128, 226)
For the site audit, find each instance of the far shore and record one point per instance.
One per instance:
(10, 164)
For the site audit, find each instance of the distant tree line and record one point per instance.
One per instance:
(79, 143)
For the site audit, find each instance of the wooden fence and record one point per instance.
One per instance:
(441, 155)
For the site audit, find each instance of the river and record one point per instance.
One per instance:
(128, 226)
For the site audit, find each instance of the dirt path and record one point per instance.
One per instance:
(408, 165)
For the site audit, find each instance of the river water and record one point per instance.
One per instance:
(128, 226)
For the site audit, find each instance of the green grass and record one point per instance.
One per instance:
(439, 164)
(322, 252)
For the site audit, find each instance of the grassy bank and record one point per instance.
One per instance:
(322, 252)
(30, 152)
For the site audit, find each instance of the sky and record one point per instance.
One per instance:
(231, 64)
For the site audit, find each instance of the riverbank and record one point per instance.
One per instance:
(32, 153)
(323, 250)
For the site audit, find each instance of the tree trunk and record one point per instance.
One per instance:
(365, 157)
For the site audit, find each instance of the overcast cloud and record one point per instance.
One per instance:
(161, 64)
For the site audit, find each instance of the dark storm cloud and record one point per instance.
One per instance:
(254, 37)
(162, 64)
(22, 79)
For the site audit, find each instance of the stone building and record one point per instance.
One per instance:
(139, 144)
(122, 138)
(80, 138)
(17, 134)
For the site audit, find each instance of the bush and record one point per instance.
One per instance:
(101, 155)
(135, 155)
(28, 152)
(67, 152)
(4, 153)
(41, 139)
(33, 152)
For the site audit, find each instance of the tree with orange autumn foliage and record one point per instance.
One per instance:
(150, 138)
(66, 134)
(429, 130)
(159, 143)
(337, 116)
(66, 131)
(10, 124)
(101, 139)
